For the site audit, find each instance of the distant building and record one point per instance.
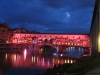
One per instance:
(95, 28)
(4, 33)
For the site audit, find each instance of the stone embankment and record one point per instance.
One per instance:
(94, 72)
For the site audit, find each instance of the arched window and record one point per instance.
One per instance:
(51, 40)
(45, 40)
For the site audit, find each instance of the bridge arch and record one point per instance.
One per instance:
(22, 46)
(37, 46)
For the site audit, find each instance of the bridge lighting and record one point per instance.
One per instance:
(66, 43)
(77, 44)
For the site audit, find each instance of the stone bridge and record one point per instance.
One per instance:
(54, 40)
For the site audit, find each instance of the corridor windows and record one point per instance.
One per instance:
(50, 40)
(45, 40)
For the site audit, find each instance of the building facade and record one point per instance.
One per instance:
(4, 33)
(95, 28)
(57, 39)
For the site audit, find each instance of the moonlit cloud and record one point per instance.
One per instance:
(67, 14)
(48, 16)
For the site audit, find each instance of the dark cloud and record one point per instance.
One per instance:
(69, 4)
(54, 16)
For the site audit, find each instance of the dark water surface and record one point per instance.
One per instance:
(28, 63)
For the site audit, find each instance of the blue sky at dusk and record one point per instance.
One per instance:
(48, 16)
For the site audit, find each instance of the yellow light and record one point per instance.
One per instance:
(99, 41)
(71, 61)
(6, 55)
(65, 61)
(68, 60)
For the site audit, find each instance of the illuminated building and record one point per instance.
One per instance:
(95, 28)
(22, 38)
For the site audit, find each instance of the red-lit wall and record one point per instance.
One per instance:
(65, 39)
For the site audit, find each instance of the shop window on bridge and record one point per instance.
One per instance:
(51, 40)
(45, 40)
(40, 41)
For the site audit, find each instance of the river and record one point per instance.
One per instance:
(30, 63)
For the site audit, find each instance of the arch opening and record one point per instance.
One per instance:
(47, 50)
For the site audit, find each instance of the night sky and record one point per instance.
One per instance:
(48, 16)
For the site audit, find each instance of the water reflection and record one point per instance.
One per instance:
(19, 61)
(42, 60)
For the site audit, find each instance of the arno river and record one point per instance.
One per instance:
(31, 63)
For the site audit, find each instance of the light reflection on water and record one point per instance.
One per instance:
(37, 61)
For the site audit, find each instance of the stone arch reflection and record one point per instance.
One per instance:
(47, 50)
(18, 61)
